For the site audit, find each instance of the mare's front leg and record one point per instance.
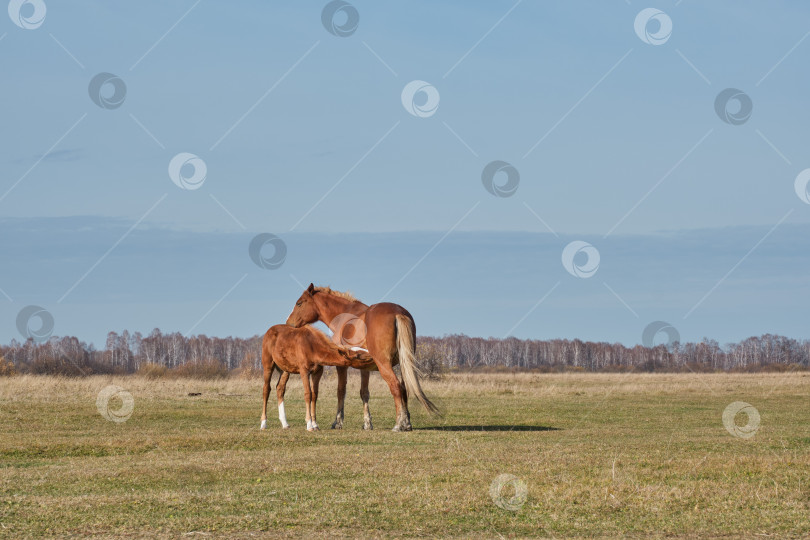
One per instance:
(342, 373)
(364, 395)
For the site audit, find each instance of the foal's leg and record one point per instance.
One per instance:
(281, 387)
(364, 395)
(342, 373)
(268, 374)
(307, 397)
(316, 381)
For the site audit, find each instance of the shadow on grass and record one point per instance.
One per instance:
(486, 428)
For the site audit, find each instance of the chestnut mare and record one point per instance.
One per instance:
(303, 350)
(386, 330)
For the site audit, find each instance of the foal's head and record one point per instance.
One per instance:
(305, 311)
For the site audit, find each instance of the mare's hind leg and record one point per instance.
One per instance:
(364, 395)
(342, 373)
(405, 400)
(281, 387)
(403, 422)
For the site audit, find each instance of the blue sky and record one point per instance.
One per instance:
(304, 135)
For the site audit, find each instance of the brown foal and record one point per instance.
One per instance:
(305, 351)
(386, 330)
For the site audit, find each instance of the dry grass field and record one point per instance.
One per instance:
(591, 455)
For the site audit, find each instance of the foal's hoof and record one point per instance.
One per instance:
(367, 426)
(337, 425)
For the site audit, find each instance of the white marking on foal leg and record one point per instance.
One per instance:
(282, 415)
(264, 424)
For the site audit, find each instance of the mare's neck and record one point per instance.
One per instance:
(329, 307)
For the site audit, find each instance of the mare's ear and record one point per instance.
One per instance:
(311, 289)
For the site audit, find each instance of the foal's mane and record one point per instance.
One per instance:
(345, 295)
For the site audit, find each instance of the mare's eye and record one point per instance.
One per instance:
(298, 304)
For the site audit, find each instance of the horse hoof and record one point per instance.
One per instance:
(396, 429)
(337, 425)
(285, 427)
(367, 426)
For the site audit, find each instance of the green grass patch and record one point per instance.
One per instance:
(599, 455)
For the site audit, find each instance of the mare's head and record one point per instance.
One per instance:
(305, 310)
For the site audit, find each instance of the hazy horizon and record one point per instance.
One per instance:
(165, 278)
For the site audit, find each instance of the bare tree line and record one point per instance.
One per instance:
(767, 351)
(130, 353)
(133, 352)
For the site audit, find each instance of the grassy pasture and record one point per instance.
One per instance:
(592, 454)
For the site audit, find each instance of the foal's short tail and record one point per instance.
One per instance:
(406, 343)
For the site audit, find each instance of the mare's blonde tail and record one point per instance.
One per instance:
(406, 345)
